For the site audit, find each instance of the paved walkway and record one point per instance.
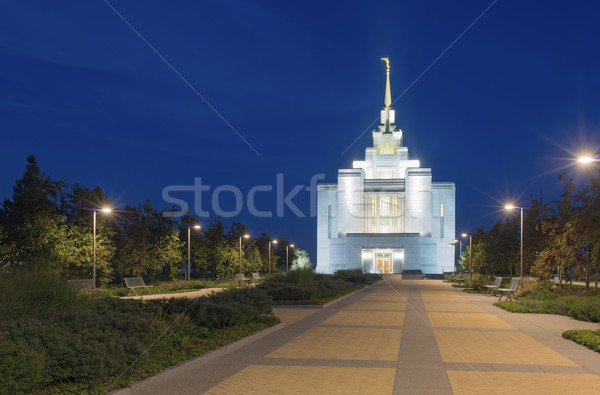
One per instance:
(399, 336)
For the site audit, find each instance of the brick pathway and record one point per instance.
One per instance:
(399, 336)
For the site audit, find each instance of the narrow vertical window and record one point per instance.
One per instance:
(329, 222)
(441, 221)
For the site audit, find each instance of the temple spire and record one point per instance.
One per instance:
(388, 91)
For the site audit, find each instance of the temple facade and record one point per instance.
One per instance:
(385, 215)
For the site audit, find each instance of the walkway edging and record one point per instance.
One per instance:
(319, 306)
(209, 356)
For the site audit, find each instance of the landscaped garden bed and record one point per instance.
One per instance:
(549, 298)
(57, 341)
(304, 287)
(585, 337)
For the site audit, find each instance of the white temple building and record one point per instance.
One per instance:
(385, 215)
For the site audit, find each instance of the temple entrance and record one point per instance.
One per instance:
(383, 263)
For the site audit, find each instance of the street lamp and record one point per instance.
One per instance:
(245, 237)
(286, 256)
(104, 210)
(459, 250)
(188, 268)
(453, 244)
(585, 159)
(271, 242)
(470, 255)
(511, 207)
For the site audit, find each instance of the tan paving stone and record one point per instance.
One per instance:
(343, 343)
(458, 307)
(292, 315)
(366, 318)
(496, 347)
(467, 320)
(268, 379)
(383, 298)
(464, 382)
(377, 305)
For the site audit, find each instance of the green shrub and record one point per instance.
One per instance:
(37, 293)
(588, 338)
(514, 307)
(236, 306)
(356, 276)
(302, 285)
(586, 309)
(74, 347)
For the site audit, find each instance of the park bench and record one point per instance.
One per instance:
(510, 291)
(461, 278)
(256, 276)
(83, 285)
(493, 287)
(136, 282)
(241, 278)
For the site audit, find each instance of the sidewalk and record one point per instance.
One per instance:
(399, 336)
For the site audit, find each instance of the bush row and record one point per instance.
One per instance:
(236, 306)
(71, 347)
(67, 339)
(357, 276)
(548, 299)
(301, 285)
(588, 338)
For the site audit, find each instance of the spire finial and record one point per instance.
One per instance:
(387, 63)
(388, 92)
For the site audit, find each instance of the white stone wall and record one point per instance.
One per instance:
(350, 201)
(326, 197)
(418, 201)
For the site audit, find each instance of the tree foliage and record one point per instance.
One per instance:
(49, 224)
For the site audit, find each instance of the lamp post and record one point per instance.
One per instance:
(104, 210)
(286, 256)
(459, 250)
(470, 255)
(271, 242)
(188, 267)
(454, 256)
(245, 237)
(511, 207)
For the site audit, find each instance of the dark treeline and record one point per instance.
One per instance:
(49, 223)
(561, 236)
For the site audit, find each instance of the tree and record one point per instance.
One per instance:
(32, 221)
(301, 260)
(147, 243)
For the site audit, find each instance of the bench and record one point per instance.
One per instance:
(492, 288)
(241, 278)
(510, 291)
(83, 285)
(255, 276)
(461, 279)
(136, 282)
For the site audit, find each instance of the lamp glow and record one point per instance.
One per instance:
(585, 159)
(510, 207)
(106, 210)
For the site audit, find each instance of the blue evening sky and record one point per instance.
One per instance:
(500, 113)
